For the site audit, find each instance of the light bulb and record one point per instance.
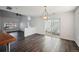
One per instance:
(45, 17)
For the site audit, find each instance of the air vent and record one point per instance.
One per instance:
(9, 8)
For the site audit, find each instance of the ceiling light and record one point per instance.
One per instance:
(45, 13)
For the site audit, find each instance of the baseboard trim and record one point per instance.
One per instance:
(66, 39)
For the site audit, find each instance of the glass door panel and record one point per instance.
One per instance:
(52, 26)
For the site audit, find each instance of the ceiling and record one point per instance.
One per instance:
(38, 10)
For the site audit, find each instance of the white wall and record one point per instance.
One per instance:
(38, 24)
(66, 27)
(76, 27)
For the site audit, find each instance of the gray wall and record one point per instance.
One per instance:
(9, 17)
(0, 23)
(23, 23)
(1, 20)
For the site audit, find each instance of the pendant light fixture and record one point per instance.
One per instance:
(45, 13)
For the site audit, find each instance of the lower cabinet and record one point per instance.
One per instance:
(29, 31)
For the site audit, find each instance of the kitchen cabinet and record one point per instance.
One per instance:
(29, 31)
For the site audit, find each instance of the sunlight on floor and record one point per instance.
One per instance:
(51, 44)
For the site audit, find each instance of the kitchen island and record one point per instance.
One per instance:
(6, 39)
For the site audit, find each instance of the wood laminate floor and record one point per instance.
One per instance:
(41, 43)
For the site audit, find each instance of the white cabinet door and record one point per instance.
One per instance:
(29, 31)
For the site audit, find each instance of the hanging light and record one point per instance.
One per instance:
(45, 14)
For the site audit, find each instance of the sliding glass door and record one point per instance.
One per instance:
(52, 26)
